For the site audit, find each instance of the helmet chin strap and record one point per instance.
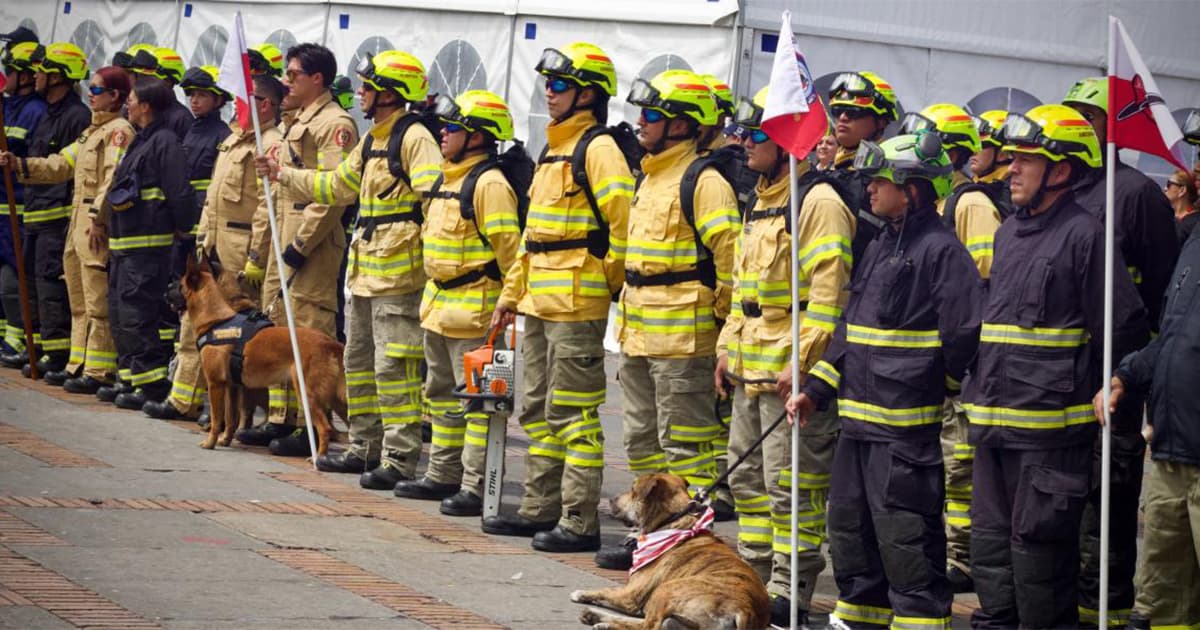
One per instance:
(462, 151)
(1045, 187)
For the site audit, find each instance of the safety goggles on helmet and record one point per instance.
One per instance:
(985, 128)
(649, 98)
(871, 158)
(554, 62)
(366, 69)
(1020, 130)
(747, 114)
(852, 84)
(914, 122)
(259, 64)
(450, 113)
(1191, 127)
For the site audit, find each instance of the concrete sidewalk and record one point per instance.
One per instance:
(112, 519)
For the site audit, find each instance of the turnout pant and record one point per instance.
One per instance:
(669, 422)
(383, 380)
(564, 388)
(1125, 487)
(958, 457)
(48, 295)
(137, 284)
(886, 535)
(1168, 576)
(86, 274)
(444, 361)
(1025, 522)
(762, 492)
(187, 384)
(10, 304)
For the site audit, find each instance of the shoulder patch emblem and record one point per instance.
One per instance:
(341, 137)
(118, 138)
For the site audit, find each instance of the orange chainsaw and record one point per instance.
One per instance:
(490, 375)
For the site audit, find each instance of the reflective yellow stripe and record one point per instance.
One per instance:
(886, 338)
(827, 373)
(138, 242)
(69, 154)
(1030, 418)
(964, 451)
(550, 447)
(681, 433)
(1117, 617)
(47, 214)
(56, 345)
(551, 282)
(753, 505)
(958, 513)
(757, 357)
(425, 174)
(141, 378)
(448, 437)
(1135, 274)
(755, 530)
(920, 623)
(862, 614)
(615, 186)
(404, 351)
(911, 417)
(807, 481)
(1043, 337)
(15, 133)
(400, 263)
(824, 248)
(201, 184)
(667, 321)
(152, 194)
(822, 316)
(652, 463)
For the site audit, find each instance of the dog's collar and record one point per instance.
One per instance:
(653, 545)
(693, 508)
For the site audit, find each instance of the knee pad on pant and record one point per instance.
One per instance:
(901, 537)
(1045, 581)
(991, 568)
(845, 540)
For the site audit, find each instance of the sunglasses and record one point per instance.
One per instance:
(652, 116)
(559, 85)
(96, 90)
(452, 127)
(292, 74)
(1171, 182)
(758, 136)
(852, 113)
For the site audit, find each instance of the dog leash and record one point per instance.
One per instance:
(702, 497)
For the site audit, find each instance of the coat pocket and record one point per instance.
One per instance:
(1031, 305)
(915, 477)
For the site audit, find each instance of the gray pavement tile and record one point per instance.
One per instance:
(330, 533)
(14, 460)
(517, 591)
(199, 584)
(357, 623)
(124, 483)
(112, 529)
(30, 618)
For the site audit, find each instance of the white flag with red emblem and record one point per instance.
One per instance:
(793, 117)
(234, 75)
(1138, 117)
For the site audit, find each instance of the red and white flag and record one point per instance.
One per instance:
(234, 74)
(793, 117)
(1138, 117)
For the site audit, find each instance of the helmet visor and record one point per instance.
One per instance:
(554, 62)
(851, 84)
(747, 114)
(647, 96)
(1191, 127)
(869, 158)
(144, 61)
(983, 127)
(914, 122)
(366, 67)
(1019, 129)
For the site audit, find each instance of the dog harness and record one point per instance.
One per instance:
(651, 546)
(236, 331)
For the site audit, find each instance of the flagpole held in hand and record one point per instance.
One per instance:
(239, 42)
(1110, 160)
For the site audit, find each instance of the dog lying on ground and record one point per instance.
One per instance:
(267, 360)
(699, 583)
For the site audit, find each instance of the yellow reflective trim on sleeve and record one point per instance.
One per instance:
(615, 186)
(69, 154)
(152, 194)
(425, 174)
(200, 185)
(826, 372)
(825, 248)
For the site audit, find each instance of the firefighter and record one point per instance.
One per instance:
(383, 341)
(148, 203)
(711, 137)
(236, 201)
(974, 219)
(166, 64)
(24, 112)
(200, 144)
(755, 347)
(90, 161)
(1028, 398)
(572, 262)
(861, 104)
(678, 283)
(1165, 373)
(911, 327)
(464, 256)
(990, 165)
(1145, 233)
(319, 137)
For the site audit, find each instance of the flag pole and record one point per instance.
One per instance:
(1109, 255)
(279, 264)
(794, 209)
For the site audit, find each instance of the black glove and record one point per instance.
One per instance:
(293, 258)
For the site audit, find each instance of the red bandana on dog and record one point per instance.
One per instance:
(651, 546)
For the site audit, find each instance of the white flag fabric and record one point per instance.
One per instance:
(1138, 117)
(234, 74)
(793, 116)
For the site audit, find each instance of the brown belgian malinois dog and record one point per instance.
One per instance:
(267, 361)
